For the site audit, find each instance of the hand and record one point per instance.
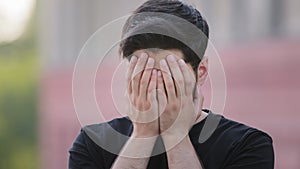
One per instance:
(182, 106)
(143, 105)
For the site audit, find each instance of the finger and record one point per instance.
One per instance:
(161, 93)
(152, 85)
(137, 73)
(177, 75)
(167, 79)
(189, 78)
(144, 83)
(132, 64)
(152, 97)
(198, 99)
(160, 82)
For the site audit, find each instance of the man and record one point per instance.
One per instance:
(165, 115)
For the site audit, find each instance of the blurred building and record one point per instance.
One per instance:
(258, 42)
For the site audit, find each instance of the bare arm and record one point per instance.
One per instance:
(135, 154)
(183, 155)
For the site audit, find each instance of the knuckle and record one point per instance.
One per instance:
(140, 64)
(143, 82)
(147, 70)
(140, 105)
(153, 78)
(183, 69)
(150, 89)
(174, 107)
(134, 101)
(169, 85)
(147, 106)
(136, 78)
(180, 81)
(189, 83)
(167, 109)
(159, 81)
(173, 64)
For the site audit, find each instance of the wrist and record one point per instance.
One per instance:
(178, 133)
(173, 140)
(143, 133)
(138, 147)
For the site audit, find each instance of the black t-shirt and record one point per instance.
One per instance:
(232, 145)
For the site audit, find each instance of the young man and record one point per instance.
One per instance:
(165, 115)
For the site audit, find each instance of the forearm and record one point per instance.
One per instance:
(182, 155)
(135, 154)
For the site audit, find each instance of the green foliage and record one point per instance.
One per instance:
(18, 105)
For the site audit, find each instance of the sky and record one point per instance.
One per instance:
(14, 15)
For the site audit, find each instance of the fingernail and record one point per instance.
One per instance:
(150, 61)
(163, 63)
(154, 71)
(133, 59)
(159, 73)
(181, 62)
(171, 58)
(144, 56)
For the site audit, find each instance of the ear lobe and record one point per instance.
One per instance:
(202, 71)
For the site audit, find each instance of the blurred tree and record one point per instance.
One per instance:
(18, 103)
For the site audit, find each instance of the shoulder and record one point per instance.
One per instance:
(97, 141)
(236, 134)
(109, 135)
(216, 127)
(240, 132)
(234, 144)
(121, 125)
(94, 132)
(250, 147)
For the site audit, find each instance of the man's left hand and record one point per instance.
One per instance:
(180, 104)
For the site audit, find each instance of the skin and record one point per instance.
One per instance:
(162, 102)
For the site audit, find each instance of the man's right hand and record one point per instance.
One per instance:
(142, 96)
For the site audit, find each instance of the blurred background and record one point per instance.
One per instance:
(258, 42)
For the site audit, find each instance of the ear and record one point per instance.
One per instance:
(202, 71)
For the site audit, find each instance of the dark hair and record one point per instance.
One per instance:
(152, 40)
